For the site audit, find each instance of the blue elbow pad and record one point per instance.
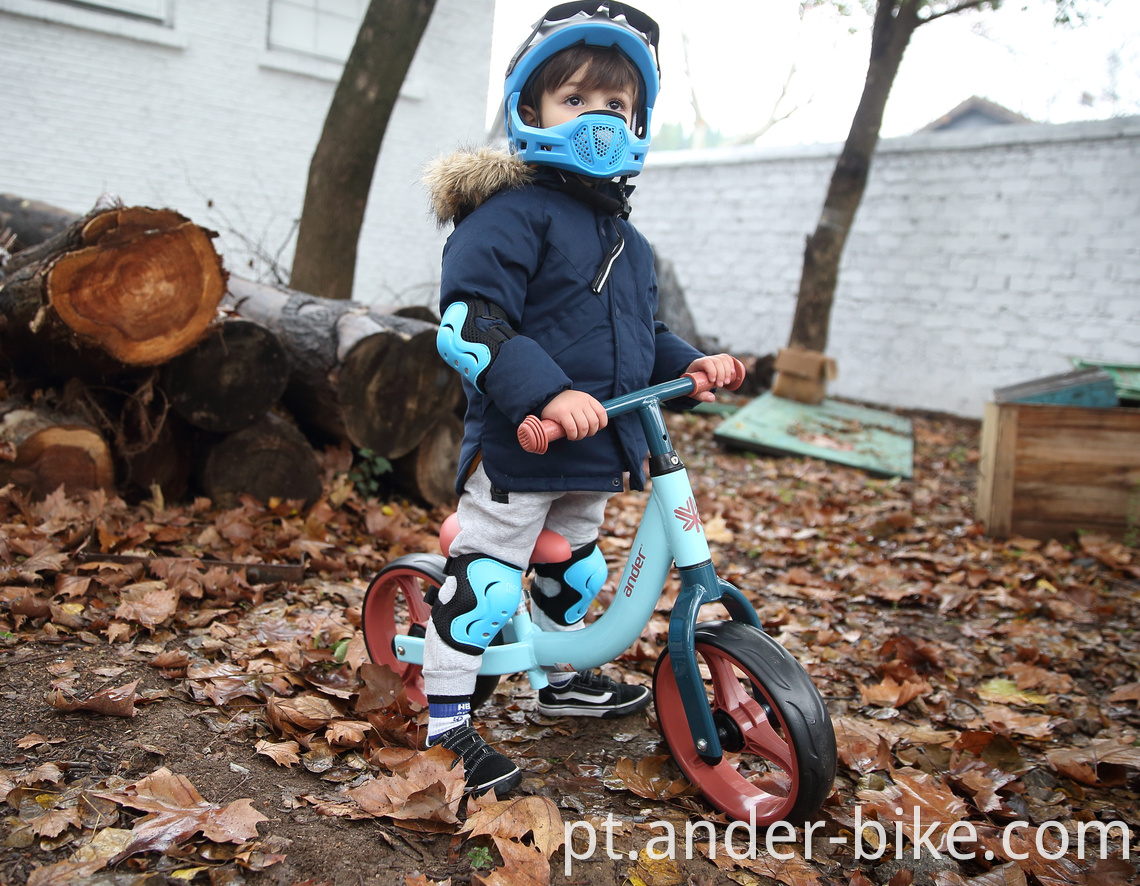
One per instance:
(469, 349)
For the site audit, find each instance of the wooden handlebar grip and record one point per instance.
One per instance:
(535, 434)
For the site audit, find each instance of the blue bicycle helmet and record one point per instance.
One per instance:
(596, 144)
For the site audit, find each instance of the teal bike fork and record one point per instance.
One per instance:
(699, 582)
(700, 585)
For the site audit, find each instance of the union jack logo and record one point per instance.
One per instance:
(688, 515)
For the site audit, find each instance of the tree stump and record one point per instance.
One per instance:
(372, 379)
(41, 450)
(120, 287)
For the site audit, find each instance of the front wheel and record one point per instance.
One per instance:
(395, 604)
(778, 740)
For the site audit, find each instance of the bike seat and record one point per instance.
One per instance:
(550, 547)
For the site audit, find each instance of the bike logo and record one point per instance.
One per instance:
(689, 516)
(634, 572)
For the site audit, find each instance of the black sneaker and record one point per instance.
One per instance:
(592, 695)
(484, 768)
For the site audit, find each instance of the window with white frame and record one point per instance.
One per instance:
(324, 28)
(154, 10)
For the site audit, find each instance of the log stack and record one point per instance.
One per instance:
(134, 360)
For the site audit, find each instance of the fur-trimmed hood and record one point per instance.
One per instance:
(460, 182)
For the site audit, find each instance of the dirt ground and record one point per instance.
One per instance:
(218, 756)
(844, 569)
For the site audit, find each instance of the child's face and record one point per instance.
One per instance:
(569, 101)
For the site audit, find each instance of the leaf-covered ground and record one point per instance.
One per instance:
(167, 719)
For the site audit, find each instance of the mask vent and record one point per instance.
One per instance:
(599, 146)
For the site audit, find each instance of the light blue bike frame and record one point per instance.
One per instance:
(670, 532)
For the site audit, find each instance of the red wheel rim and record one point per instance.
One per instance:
(393, 605)
(732, 696)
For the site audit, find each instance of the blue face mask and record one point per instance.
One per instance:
(597, 144)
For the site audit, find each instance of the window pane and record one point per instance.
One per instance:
(326, 28)
(153, 9)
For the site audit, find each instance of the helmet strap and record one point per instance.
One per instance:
(618, 206)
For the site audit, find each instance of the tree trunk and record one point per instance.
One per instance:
(373, 379)
(895, 22)
(230, 379)
(268, 460)
(429, 472)
(120, 287)
(340, 174)
(41, 450)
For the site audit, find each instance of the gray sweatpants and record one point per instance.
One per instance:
(508, 532)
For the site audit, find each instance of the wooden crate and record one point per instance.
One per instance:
(1048, 471)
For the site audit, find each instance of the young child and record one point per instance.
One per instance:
(548, 297)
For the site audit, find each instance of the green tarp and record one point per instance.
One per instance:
(879, 442)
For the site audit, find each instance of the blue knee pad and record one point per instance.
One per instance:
(470, 347)
(487, 593)
(579, 580)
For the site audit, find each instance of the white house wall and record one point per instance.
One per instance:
(977, 259)
(203, 118)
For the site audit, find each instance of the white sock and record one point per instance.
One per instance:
(445, 714)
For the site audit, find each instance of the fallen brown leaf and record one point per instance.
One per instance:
(283, 753)
(118, 702)
(176, 811)
(429, 786)
(1082, 764)
(645, 779)
(515, 818)
(522, 866)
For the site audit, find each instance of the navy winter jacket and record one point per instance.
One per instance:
(534, 250)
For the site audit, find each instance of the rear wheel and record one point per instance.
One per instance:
(395, 604)
(778, 740)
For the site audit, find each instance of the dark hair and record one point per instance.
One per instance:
(606, 67)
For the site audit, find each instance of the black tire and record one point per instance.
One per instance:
(394, 604)
(767, 710)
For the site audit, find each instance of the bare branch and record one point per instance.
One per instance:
(954, 10)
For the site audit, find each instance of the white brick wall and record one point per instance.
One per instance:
(203, 118)
(977, 259)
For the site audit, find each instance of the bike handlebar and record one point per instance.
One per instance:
(536, 434)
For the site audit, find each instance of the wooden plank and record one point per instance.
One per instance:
(1081, 387)
(1050, 471)
(995, 472)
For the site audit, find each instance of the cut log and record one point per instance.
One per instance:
(429, 472)
(268, 460)
(31, 221)
(127, 286)
(42, 451)
(417, 312)
(230, 379)
(372, 379)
